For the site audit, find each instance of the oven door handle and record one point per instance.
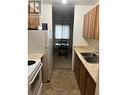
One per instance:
(35, 75)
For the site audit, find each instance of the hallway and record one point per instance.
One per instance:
(63, 82)
(62, 62)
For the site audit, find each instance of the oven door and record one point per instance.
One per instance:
(34, 86)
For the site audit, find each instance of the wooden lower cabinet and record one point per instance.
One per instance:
(77, 68)
(82, 79)
(90, 85)
(86, 83)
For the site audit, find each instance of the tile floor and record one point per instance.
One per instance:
(63, 82)
(62, 61)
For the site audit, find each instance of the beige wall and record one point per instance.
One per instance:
(93, 43)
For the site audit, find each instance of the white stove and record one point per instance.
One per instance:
(33, 68)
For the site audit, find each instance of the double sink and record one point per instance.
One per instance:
(90, 57)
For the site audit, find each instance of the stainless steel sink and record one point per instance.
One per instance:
(90, 57)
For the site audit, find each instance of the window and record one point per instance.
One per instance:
(62, 31)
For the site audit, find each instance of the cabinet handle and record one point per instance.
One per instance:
(35, 75)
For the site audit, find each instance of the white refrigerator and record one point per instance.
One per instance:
(40, 42)
(48, 56)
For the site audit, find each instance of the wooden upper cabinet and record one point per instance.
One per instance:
(91, 24)
(33, 21)
(85, 28)
(97, 23)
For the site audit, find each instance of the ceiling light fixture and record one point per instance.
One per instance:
(64, 1)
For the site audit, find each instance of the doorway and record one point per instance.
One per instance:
(63, 17)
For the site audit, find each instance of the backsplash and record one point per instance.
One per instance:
(93, 43)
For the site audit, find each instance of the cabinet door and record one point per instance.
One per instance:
(97, 23)
(91, 24)
(86, 28)
(85, 81)
(90, 85)
(33, 21)
(82, 78)
(77, 68)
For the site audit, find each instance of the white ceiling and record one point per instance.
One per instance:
(67, 10)
(77, 2)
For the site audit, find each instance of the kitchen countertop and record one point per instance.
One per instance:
(91, 68)
(35, 56)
